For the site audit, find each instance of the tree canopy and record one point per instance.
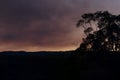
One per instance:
(102, 31)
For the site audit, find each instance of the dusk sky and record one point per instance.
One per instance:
(46, 25)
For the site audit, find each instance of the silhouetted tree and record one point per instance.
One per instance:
(102, 31)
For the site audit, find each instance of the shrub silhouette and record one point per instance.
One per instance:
(102, 30)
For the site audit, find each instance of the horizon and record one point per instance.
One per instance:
(43, 25)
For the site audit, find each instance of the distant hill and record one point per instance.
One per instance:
(69, 65)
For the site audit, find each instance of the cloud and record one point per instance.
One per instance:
(43, 24)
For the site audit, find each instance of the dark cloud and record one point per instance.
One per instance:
(42, 24)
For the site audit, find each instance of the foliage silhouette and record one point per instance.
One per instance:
(102, 31)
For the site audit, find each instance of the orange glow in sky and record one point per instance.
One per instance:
(46, 25)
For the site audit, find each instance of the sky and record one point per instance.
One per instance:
(46, 25)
